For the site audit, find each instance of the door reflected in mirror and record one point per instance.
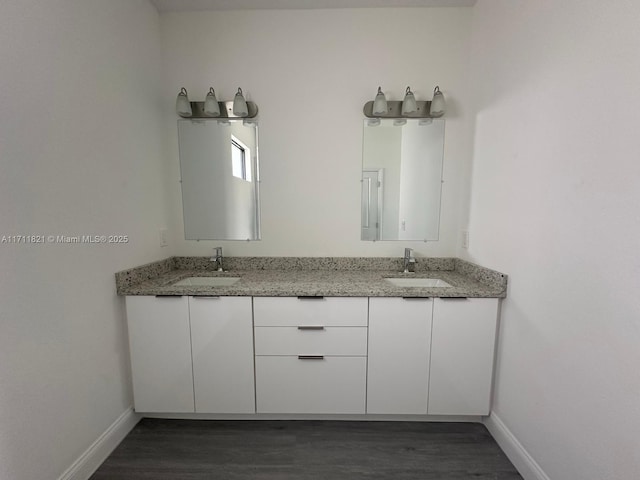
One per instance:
(402, 179)
(220, 179)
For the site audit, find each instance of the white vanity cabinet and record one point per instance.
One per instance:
(222, 352)
(431, 356)
(399, 351)
(462, 355)
(160, 346)
(191, 354)
(311, 355)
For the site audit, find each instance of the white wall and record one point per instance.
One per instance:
(556, 205)
(79, 154)
(310, 72)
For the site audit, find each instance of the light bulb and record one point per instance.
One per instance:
(183, 106)
(380, 103)
(409, 103)
(240, 108)
(438, 105)
(211, 107)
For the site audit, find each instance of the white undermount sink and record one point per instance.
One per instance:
(206, 282)
(417, 282)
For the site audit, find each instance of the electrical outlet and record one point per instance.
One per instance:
(465, 239)
(163, 237)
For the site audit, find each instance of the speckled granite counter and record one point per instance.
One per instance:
(306, 276)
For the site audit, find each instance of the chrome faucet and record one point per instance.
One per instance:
(408, 259)
(217, 257)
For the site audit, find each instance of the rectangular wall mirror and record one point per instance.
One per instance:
(220, 179)
(402, 179)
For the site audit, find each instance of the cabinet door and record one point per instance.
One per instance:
(399, 343)
(160, 346)
(462, 352)
(222, 343)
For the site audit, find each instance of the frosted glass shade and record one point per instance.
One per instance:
(380, 103)
(240, 105)
(211, 107)
(183, 106)
(438, 105)
(409, 103)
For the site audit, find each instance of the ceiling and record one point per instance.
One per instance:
(193, 5)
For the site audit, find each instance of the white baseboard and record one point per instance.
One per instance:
(97, 453)
(526, 465)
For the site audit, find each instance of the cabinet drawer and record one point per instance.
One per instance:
(302, 341)
(325, 311)
(290, 385)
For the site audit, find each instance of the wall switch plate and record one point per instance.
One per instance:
(465, 239)
(163, 237)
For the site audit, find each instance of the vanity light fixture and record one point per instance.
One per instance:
(211, 107)
(380, 107)
(380, 103)
(238, 109)
(409, 104)
(438, 105)
(183, 106)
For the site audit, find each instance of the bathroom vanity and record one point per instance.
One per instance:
(312, 337)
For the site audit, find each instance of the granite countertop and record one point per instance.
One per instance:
(333, 277)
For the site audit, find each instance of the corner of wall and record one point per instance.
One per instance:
(99, 450)
(513, 449)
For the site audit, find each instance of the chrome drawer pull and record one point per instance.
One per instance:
(309, 297)
(310, 357)
(310, 327)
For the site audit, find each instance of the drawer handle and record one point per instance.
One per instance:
(168, 296)
(310, 357)
(310, 327)
(310, 297)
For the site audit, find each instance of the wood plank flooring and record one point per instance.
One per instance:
(306, 450)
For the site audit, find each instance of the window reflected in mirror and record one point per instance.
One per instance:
(239, 155)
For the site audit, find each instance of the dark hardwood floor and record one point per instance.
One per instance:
(306, 450)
